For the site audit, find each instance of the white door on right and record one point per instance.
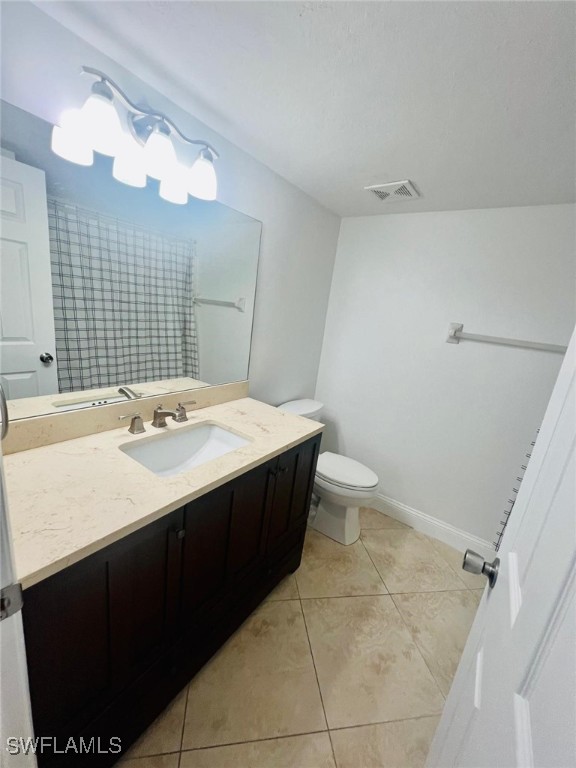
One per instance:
(26, 308)
(513, 700)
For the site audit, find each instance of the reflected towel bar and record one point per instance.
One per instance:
(456, 334)
(239, 304)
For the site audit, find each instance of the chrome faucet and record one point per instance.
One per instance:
(160, 414)
(129, 393)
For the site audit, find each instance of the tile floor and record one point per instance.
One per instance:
(346, 664)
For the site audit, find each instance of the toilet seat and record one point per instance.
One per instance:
(350, 495)
(345, 474)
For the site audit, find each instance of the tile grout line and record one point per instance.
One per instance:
(346, 597)
(384, 722)
(316, 674)
(134, 760)
(417, 646)
(255, 741)
(373, 563)
(294, 735)
(297, 587)
(183, 725)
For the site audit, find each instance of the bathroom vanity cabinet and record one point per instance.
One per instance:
(112, 639)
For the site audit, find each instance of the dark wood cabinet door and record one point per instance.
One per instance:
(249, 521)
(66, 630)
(144, 581)
(225, 539)
(285, 473)
(307, 458)
(293, 489)
(205, 549)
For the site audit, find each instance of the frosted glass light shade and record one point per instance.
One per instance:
(69, 139)
(129, 164)
(173, 187)
(102, 125)
(160, 155)
(202, 180)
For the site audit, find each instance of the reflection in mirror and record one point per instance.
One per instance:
(105, 286)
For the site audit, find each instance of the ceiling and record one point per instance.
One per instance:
(472, 101)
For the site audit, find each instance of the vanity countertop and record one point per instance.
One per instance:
(70, 499)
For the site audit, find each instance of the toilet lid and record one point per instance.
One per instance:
(302, 407)
(345, 472)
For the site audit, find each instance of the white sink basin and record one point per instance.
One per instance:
(176, 451)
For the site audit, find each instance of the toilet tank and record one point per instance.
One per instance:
(311, 409)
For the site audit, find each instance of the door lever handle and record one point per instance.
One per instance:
(475, 563)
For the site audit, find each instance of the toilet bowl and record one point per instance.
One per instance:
(342, 484)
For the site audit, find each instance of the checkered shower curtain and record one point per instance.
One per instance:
(123, 307)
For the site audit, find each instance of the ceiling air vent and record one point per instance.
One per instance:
(394, 190)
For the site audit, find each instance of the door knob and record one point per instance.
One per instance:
(475, 563)
(46, 358)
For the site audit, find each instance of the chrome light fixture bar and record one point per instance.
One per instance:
(144, 146)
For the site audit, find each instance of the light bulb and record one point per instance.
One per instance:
(159, 154)
(173, 187)
(202, 181)
(129, 163)
(101, 120)
(69, 139)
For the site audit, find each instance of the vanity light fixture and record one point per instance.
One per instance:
(69, 140)
(101, 121)
(202, 180)
(144, 143)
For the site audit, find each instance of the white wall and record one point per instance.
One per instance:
(40, 73)
(446, 426)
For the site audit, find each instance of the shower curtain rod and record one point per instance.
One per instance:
(456, 334)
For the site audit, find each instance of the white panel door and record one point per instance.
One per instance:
(26, 309)
(513, 701)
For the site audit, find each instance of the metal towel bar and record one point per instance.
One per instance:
(239, 304)
(456, 334)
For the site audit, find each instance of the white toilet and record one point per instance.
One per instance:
(343, 485)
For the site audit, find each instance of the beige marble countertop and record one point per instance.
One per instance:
(70, 499)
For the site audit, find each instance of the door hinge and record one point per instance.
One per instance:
(10, 601)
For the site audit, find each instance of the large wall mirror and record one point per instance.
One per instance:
(104, 286)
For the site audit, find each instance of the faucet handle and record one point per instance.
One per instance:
(136, 425)
(181, 410)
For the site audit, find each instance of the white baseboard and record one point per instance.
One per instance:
(431, 526)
